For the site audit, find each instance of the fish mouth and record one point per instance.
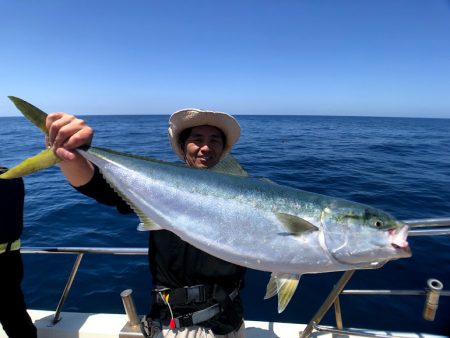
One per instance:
(398, 239)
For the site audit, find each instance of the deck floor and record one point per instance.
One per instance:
(86, 325)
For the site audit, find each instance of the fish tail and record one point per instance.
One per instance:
(32, 113)
(42, 160)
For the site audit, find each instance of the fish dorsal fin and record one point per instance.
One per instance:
(284, 285)
(229, 165)
(266, 180)
(295, 224)
(44, 159)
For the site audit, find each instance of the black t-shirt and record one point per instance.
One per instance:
(175, 263)
(12, 194)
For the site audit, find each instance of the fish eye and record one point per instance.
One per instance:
(379, 223)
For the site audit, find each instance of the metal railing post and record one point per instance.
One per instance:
(67, 288)
(130, 309)
(327, 303)
(338, 313)
(432, 300)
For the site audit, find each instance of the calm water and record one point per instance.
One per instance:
(399, 165)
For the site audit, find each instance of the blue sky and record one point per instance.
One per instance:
(327, 57)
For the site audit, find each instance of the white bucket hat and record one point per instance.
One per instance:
(191, 117)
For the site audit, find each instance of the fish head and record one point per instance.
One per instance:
(362, 236)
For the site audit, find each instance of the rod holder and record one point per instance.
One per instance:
(433, 293)
(130, 309)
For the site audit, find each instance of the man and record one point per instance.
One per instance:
(195, 293)
(13, 313)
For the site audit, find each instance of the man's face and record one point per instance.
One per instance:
(203, 147)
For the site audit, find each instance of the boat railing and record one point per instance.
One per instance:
(418, 227)
(80, 252)
(437, 226)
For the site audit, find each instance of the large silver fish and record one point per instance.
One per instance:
(247, 221)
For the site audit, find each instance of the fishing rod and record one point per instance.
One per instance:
(438, 226)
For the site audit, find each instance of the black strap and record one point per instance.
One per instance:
(205, 314)
(200, 293)
(8, 247)
(183, 296)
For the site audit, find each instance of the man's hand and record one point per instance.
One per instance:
(66, 133)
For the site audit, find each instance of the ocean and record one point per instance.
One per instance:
(401, 165)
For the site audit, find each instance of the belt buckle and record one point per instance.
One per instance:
(160, 295)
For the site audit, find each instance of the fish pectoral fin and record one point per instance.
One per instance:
(44, 159)
(295, 224)
(229, 165)
(284, 285)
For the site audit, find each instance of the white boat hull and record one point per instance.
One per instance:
(102, 325)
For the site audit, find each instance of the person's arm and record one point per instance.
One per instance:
(78, 171)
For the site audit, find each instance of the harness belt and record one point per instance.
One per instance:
(10, 246)
(201, 315)
(191, 294)
(182, 296)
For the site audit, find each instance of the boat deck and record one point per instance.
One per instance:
(101, 325)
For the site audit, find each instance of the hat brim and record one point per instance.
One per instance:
(189, 118)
